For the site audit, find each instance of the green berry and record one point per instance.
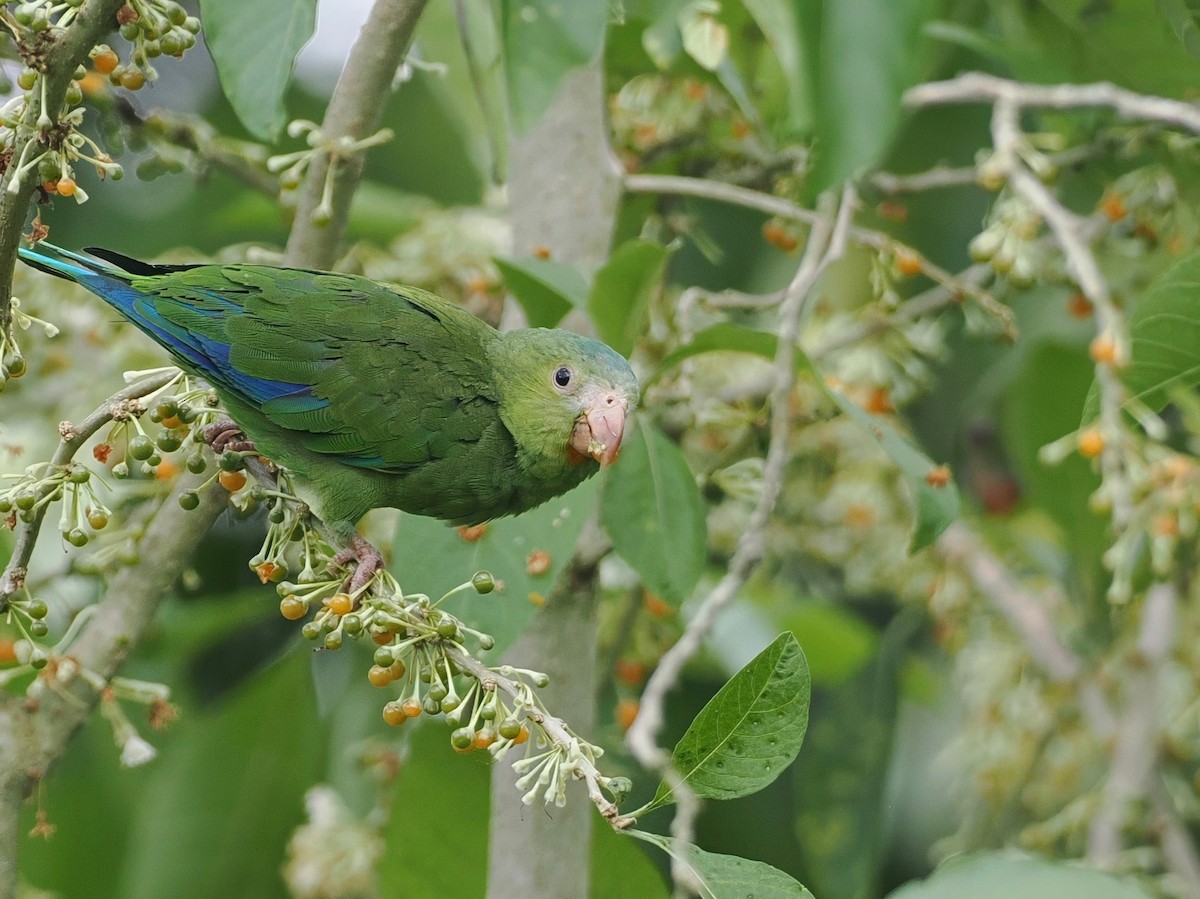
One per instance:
(438, 692)
(77, 537)
(483, 582)
(509, 728)
(189, 500)
(231, 461)
(141, 447)
(5, 505)
(16, 366)
(352, 625)
(26, 500)
(79, 476)
(430, 706)
(191, 25)
(120, 471)
(462, 738)
(74, 94)
(486, 641)
(448, 629)
(27, 79)
(38, 629)
(168, 441)
(311, 630)
(38, 659)
(333, 640)
(37, 609)
(176, 14)
(196, 463)
(383, 657)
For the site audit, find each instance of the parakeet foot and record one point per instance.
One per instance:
(366, 555)
(224, 434)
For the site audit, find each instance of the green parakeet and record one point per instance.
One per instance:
(377, 395)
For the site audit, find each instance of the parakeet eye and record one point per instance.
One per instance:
(563, 377)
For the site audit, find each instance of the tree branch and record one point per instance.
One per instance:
(826, 244)
(96, 18)
(354, 113)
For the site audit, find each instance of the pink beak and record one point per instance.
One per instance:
(598, 432)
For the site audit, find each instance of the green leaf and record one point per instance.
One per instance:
(254, 45)
(433, 558)
(546, 290)
(748, 733)
(622, 292)
(728, 876)
(728, 338)
(841, 778)
(777, 21)
(1003, 875)
(442, 850)
(654, 514)
(1182, 16)
(239, 816)
(543, 41)
(863, 54)
(1165, 335)
(934, 507)
(705, 39)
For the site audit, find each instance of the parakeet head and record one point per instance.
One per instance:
(564, 397)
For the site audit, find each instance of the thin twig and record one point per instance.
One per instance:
(975, 87)
(877, 240)
(354, 112)
(826, 243)
(73, 437)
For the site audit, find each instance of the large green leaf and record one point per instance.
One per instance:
(238, 816)
(654, 514)
(748, 733)
(254, 45)
(431, 558)
(863, 54)
(934, 506)
(1184, 18)
(622, 291)
(728, 876)
(545, 289)
(1002, 876)
(543, 41)
(840, 779)
(437, 834)
(1165, 332)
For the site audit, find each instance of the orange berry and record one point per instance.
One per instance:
(484, 738)
(380, 677)
(172, 421)
(1090, 443)
(938, 477)
(1166, 525)
(656, 607)
(1103, 349)
(65, 187)
(879, 401)
(50, 186)
(412, 707)
(291, 608)
(341, 604)
(908, 263)
(233, 481)
(1079, 306)
(394, 714)
(105, 61)
(383, 639)
(101, 452)
(537, 563)
(472, 533)
(166, 470)
(541, 251)
(133, 79)
(522, 736)
(8, 650)
(397, 668)
(741, 129)
(1113, 206)
(626, 712)
(695, 90)
(630, 672)
(777, 235)
(892, 211)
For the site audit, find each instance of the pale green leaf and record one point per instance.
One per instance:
(748, 733)
(704, 38)
(1004, 875)
(432, 558)
(543, 41)
(622, 291)
(728, 876)
(934, 507)
(729, 338)
(254, 45)
(654, 514)
(546, 290)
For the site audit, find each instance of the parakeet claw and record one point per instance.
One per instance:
(224, 434)
(367, 557)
